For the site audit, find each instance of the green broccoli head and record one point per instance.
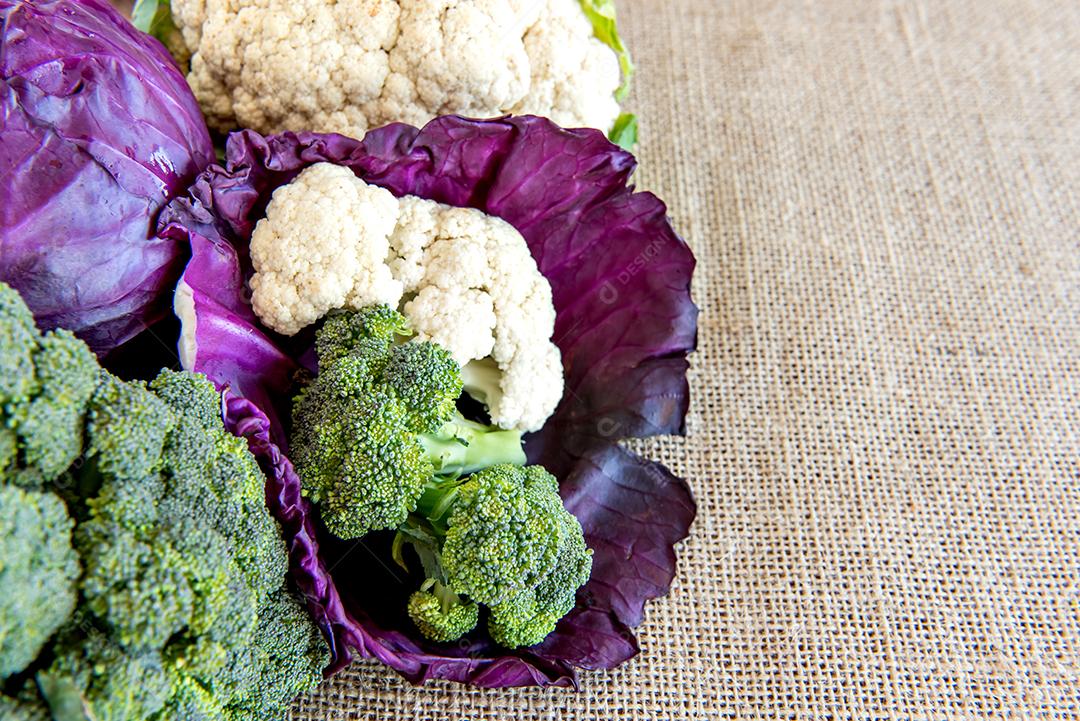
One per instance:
(379, 422)
(527, 619)
(183, 567)
(441, 614)
(38, 570)
(504, 533)
(210, 568)
(508, 543)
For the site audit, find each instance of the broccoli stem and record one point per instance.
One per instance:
(462, 447)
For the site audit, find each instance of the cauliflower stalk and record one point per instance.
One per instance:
(463, 279)
(351, 65)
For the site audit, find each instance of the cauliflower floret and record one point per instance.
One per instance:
(461, 248)
(351, 65)
(570, 80)
(464, 279)
(311, 254)
(522, 395)
(415, 229)
(462, 320)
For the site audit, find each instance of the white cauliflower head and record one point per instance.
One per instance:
(464, 279)
(351, 65)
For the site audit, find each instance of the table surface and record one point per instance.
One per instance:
(885, 433)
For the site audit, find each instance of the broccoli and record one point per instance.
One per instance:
(378, 444)
(93, 674)
(38, 570)
(184, 564)
(25, 707)
(149, 578)
(379, 423)
(18, 342)
(46, 384)
(500, 538)
(441, 614)
(529, 617)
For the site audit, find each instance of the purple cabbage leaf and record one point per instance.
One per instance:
(100, 131)
(620, 279)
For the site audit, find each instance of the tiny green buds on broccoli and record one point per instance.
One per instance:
(147, 577)
(441, 614)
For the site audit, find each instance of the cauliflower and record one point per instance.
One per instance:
(464, 279)
(351, 65)
(307, 261)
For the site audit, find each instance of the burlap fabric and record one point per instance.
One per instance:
(885, 437)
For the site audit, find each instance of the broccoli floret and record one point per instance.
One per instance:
(288, 655)
(196, 582)
(18, 343)
(528, 618)
(441, 614)
(501, 538)
(191, 396)
(427, 381)
(504, 533)
(127, 427)
(382, 473)
(51, 425)
(93, 673)
(38, 570)
(138, 587)
(342, 330)
(44, 387)
(186, 565)
(378, 423)
(183, 567)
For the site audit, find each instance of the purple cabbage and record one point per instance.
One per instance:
(620, 278)
(100, 131)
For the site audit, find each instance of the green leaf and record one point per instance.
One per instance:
(154, 17)
(602, 15)
(142, 15)
(624, 132)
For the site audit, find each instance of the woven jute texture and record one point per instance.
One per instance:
(884, 197)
